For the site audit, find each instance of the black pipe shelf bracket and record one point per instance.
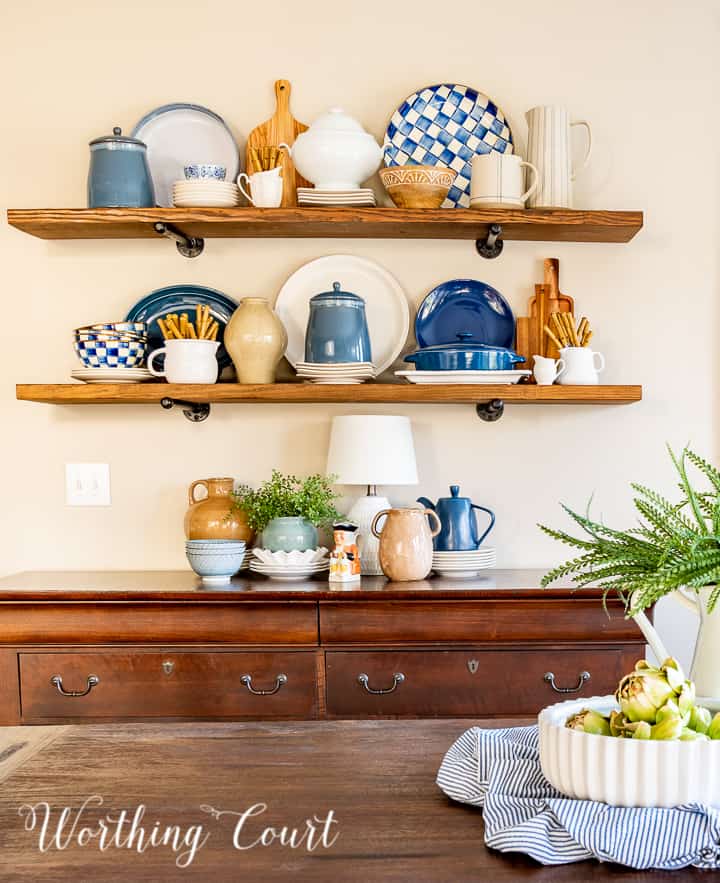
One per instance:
(188, 246)
(195, 412)
(492, 245)
(490, 411)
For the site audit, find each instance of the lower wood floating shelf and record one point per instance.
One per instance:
(196, 398)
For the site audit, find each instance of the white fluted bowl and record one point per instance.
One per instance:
(625, 772)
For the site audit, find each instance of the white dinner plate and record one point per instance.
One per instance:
(112, 375)
(464, 376)
(205, 202)
(179, 134)
(386, 306)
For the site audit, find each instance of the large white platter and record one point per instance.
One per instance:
(386, 305)
(464, 376)
(179, 134)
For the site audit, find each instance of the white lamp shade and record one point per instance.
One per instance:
(372, 449)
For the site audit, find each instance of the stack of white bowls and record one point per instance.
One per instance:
(289, 566)
(205, 193)
(463, 565)
(336, 372)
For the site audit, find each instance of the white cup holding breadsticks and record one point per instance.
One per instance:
(190, 348)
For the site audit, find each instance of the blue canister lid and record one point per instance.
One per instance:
(337, 298)
(119, 141)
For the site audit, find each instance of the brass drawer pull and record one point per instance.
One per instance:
(92, 681)
(583, 678)
(398, 678)
(279, 681)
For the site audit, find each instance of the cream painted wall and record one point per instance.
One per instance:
(642, 71)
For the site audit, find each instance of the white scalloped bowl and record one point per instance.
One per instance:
(625, 772)
(291, 559)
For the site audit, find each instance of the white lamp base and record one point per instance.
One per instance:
(362, 513)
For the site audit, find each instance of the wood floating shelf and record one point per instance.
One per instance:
(195, 399)
(551, 225)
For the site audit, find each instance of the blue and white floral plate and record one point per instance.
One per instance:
(181, 299)
(446, 125)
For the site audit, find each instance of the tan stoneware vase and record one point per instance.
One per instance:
(406, 543)
(256, 340)
(213, 517)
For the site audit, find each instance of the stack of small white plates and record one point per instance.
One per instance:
(339, 372)
(247, 558)
(290, 566)
(111, 375)
(205, 193)
(311, 196)
(463, 565)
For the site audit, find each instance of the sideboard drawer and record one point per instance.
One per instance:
(462, 683)
(141, 684)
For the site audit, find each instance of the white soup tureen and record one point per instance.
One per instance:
(335, 153)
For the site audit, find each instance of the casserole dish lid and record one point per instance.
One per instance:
(466, 345)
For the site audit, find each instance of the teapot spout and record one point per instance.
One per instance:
(426, 503)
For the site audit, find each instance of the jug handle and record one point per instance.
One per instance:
(191, 490)
(490, 526)
(586, 125)
(651, 636)
(375, 521)
(431, 513)
(688, 599)
(426, 503)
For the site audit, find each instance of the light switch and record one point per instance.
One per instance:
(87, 484)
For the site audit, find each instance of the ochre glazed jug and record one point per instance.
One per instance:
(406, 543)
(213, 517)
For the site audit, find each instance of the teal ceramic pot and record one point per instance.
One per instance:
(289, 535)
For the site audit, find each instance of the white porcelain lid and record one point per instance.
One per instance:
(336, 120)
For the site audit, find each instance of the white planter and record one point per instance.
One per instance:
(625, 772)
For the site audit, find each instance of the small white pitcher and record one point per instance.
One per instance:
(187, 361)
(582, 366)
(266, 188)
(546, 370)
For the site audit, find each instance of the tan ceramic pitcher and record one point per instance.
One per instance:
(406, 546)
(213, 517)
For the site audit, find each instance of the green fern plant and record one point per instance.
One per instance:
(675, 544)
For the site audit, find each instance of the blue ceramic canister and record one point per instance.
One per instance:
(337, 329)
(119, 175)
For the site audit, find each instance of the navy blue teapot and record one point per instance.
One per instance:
(459, 531)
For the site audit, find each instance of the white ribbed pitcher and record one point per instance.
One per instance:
(550, 151)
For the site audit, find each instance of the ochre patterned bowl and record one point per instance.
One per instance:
(417, 186)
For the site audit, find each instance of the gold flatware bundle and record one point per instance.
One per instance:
(563, 331)
(262, 159)
(179, 327)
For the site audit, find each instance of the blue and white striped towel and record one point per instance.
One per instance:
(499, 770)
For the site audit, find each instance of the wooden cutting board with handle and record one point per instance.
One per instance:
(282, 127)
(530, 331)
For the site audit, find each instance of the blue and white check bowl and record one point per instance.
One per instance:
(111, 352)
(134, 329)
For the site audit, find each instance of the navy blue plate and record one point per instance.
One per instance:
(462, 307)
(182, 299)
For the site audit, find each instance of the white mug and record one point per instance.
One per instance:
(580, 366)
(498, 181)
(187, 361)
(547, 370)
(266, 188)
(550, 150)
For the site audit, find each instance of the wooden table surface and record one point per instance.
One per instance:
(377, 777)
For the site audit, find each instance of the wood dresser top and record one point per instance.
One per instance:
(183, 585)
(378, 777)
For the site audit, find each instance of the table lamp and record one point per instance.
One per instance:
(371, 450)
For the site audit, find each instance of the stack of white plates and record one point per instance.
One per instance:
(247, 558)
(338, 372)
(463, 565)
(289, 572)
(111, 375)
(205, 193)
(311, 196)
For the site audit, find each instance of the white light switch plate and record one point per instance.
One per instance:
(87, 484)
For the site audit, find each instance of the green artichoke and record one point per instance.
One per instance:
(714, 728)
(700, 719)
(670, 728)
(588, 721)
(643, 730)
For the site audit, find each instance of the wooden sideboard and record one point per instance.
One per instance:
(149, 645)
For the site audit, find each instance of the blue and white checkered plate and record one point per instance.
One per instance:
(446, 125)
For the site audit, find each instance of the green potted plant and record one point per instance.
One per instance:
(673, 550)
(288, 510)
